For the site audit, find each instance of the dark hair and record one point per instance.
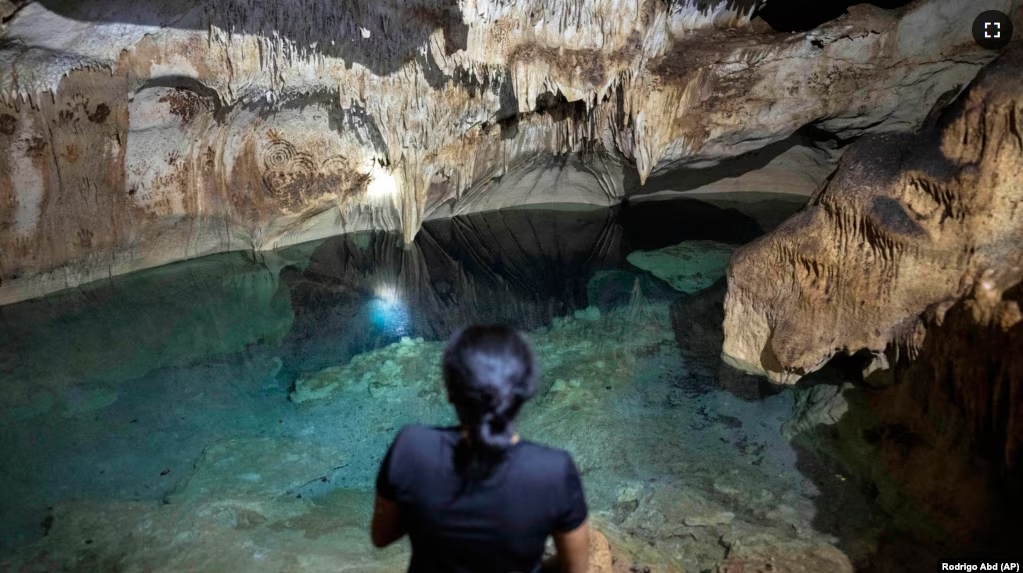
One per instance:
(490, 372)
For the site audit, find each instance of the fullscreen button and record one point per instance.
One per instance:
(992, 30)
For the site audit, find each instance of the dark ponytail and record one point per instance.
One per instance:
(490, 372)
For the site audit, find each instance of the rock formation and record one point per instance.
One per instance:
(907, 223)
(133, 133)
(911, 257)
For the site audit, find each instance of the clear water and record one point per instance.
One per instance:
(112, 392)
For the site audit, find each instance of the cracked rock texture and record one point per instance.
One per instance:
(913, 256)
(134, 134)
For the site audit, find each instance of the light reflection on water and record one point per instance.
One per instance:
(389, 313)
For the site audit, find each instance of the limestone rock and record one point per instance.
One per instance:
(906, 223)
(809, 559)
(149, 132)
(912, 255)
(820, 404)
(956, 405)
(689, 266)
(601, 556)
(318, 385)
(409, 365)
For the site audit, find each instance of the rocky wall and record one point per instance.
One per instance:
(906, 223)
(910, 259)
(133, 134)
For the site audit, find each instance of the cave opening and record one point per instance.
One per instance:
(805, 15)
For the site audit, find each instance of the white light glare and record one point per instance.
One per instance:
(381, 184)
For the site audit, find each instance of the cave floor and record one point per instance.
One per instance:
(229, 415)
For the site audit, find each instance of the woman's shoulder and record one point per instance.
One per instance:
(417, 434)
(547, 455)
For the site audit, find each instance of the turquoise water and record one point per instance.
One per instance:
(292, 370)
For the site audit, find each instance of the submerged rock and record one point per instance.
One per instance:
(590, 313)
(318, 385)
(409, 364)
(20, 402)
(80, 400)
(689, 266)
(257, 469)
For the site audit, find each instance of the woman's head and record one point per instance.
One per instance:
(489, 372)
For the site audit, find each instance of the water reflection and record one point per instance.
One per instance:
(522, 267)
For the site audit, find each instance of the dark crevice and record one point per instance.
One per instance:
(558, 107)
(554, 105)
(382, 36)
(804, 15)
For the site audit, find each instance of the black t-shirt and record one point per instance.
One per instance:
(496, 524)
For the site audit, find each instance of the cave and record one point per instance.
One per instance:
(766, 255)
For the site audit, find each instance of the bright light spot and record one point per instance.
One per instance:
(388, 312)
(365, 33)
(387, 293)
(381, 184)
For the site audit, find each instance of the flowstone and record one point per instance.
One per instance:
(689, 266)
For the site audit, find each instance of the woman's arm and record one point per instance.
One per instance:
(574, 549)
(386, 528)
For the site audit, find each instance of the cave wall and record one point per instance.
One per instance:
(910, 260)
(146, 132)
(908, 222)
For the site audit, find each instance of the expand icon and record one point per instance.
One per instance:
(992, 30)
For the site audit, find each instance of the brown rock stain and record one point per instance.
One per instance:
(81, 181)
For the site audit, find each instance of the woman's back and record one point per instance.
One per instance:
(495, 522)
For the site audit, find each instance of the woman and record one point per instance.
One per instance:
(476, 498)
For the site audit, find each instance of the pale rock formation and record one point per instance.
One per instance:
(913, 257)
(907, 223)
(133, 133)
